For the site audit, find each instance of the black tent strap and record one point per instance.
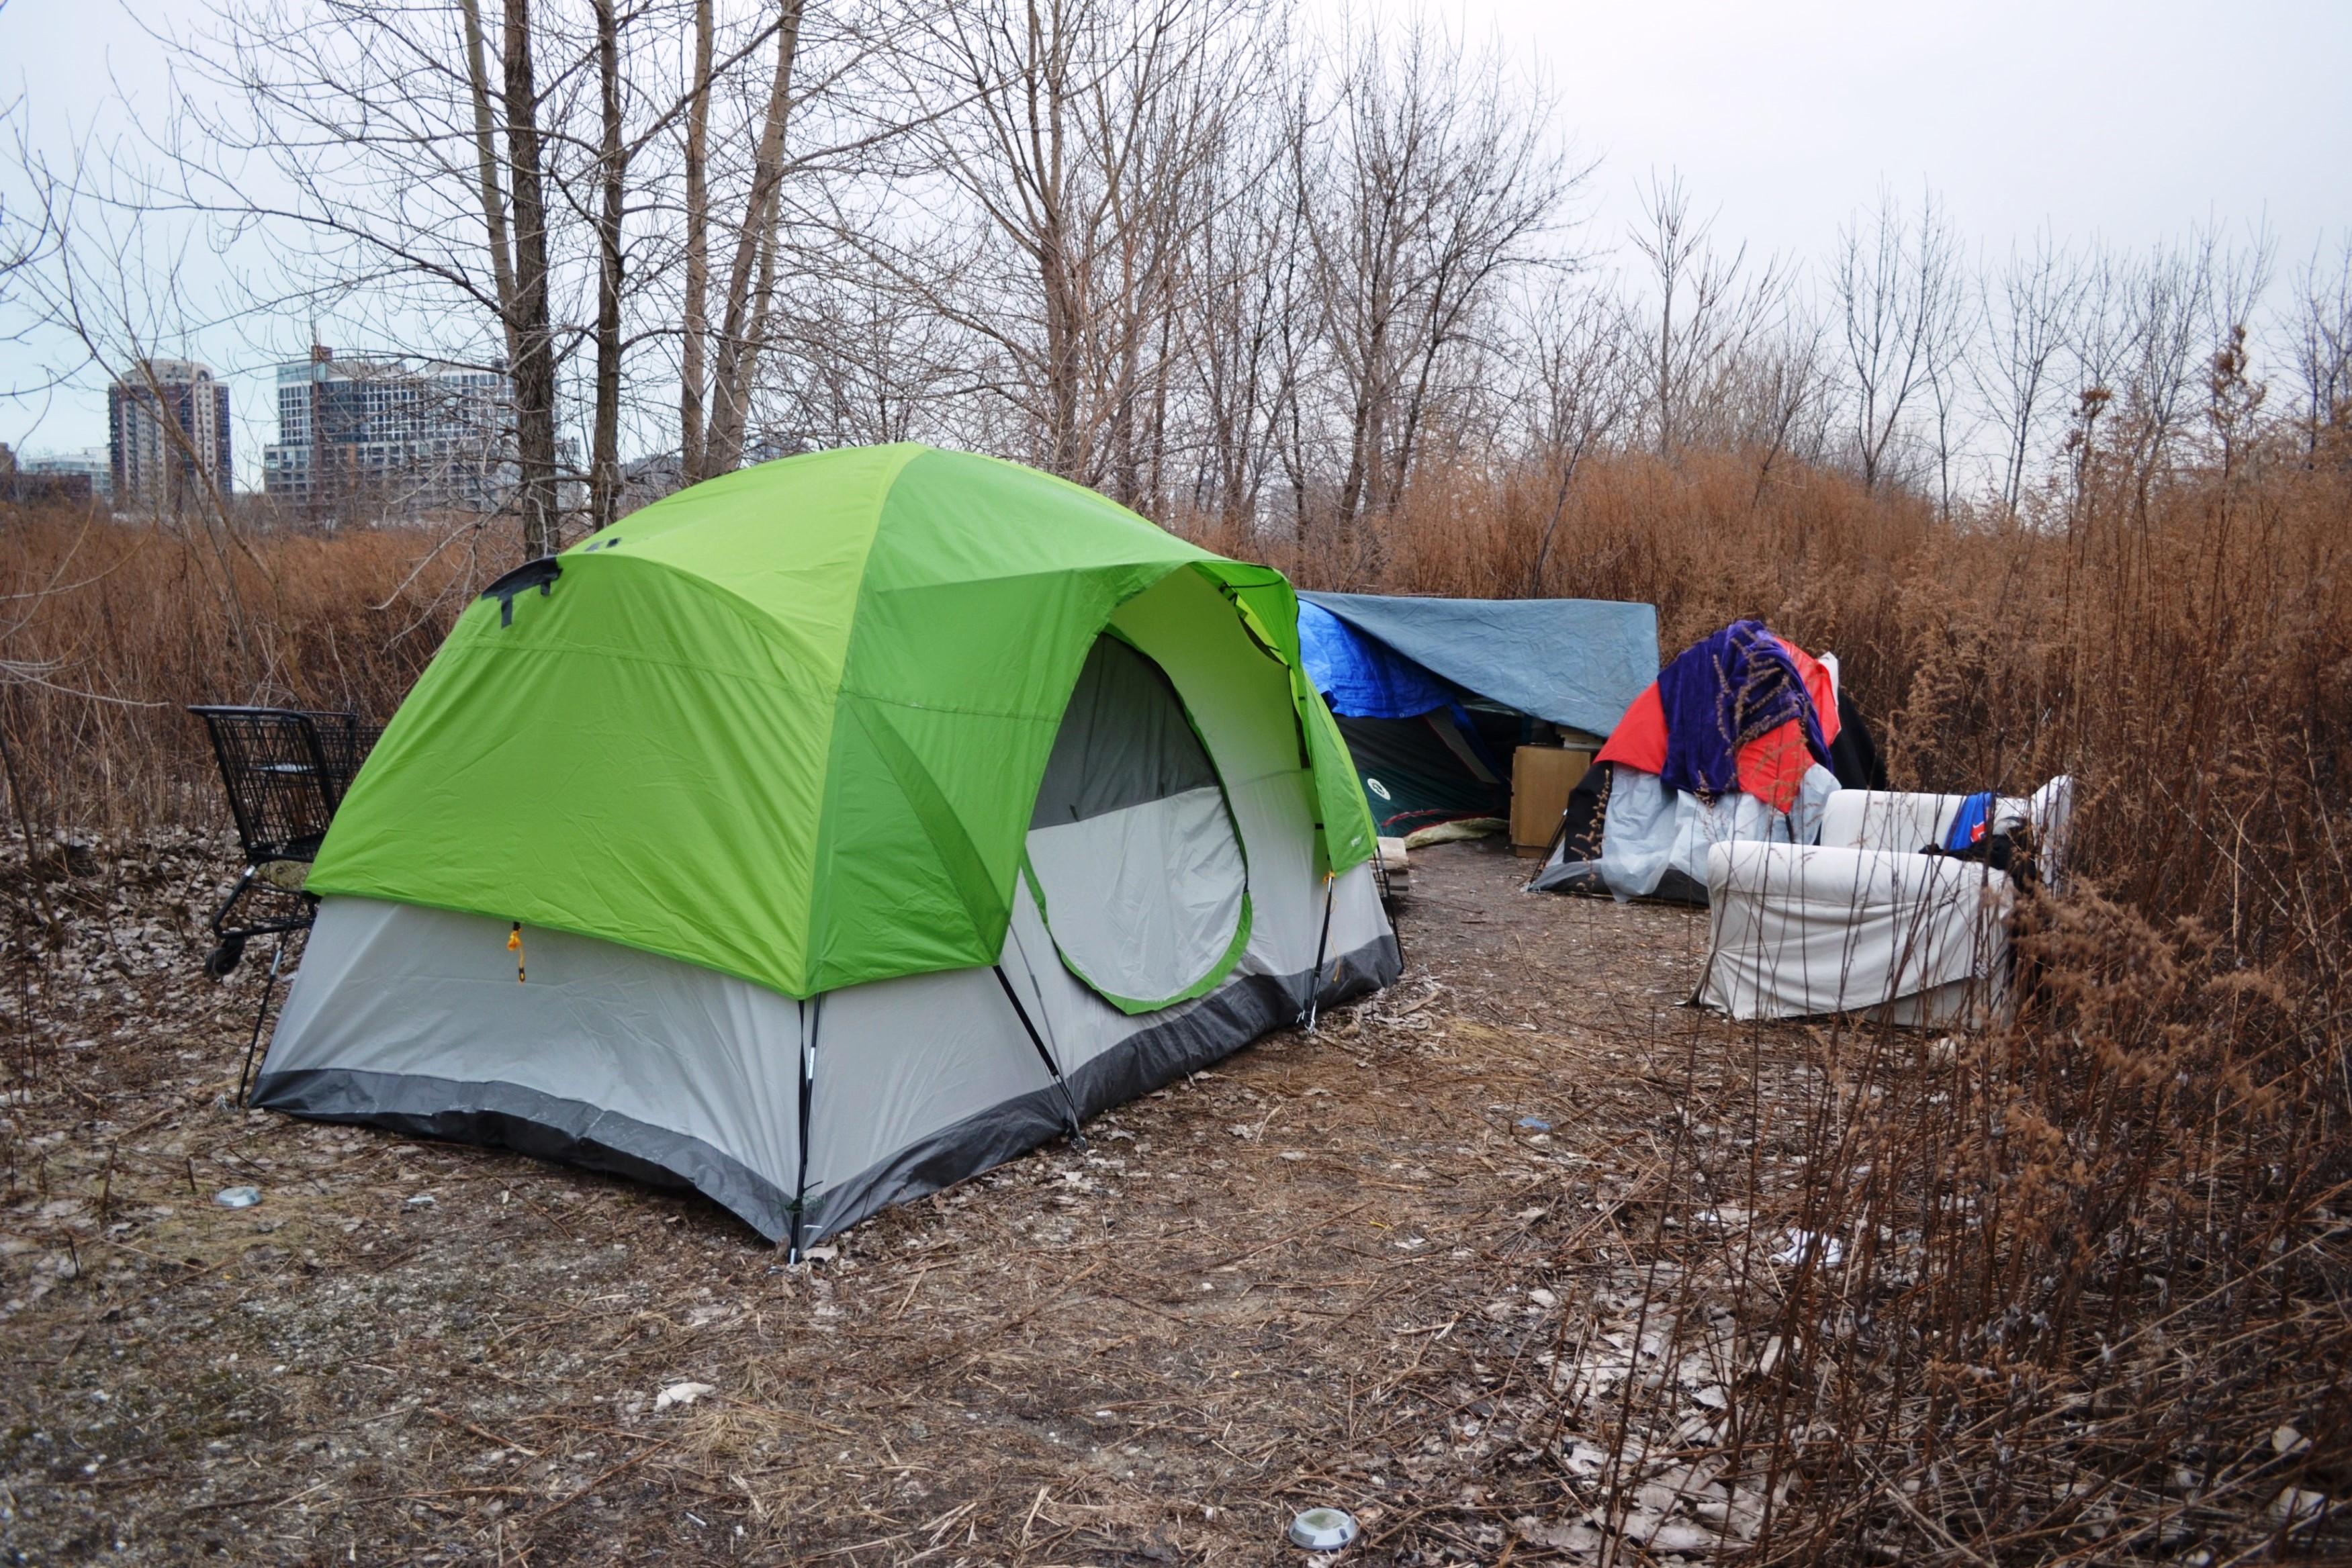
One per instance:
(812, 1019)
(539, 572)
(1069, 1103)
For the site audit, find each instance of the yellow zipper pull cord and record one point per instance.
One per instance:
(514, 945)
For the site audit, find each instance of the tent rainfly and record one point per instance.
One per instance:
(1432, 694)
(829, 832)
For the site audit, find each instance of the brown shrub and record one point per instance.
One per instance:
(2093, 1301)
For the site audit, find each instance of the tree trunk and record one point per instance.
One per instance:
(533, 369)
(752, 277)
(485, 158)
(605, 459)
(695, 343)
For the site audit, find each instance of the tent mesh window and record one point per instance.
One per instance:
(1132, 853)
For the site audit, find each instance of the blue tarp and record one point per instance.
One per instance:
(1361, 678)
(1576, 662)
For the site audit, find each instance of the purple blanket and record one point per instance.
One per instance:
(1721, 693)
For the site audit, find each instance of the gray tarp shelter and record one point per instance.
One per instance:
(1431, 695)
(1576, 662)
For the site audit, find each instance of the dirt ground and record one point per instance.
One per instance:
(1298, 1279)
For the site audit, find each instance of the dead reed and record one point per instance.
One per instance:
(2073, 1287)
(2069, 1289)
(109, 630)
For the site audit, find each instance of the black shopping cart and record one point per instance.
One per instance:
(286, 770)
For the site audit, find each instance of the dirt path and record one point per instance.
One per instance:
(1282, 1282)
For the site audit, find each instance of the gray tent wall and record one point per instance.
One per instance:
(610, 1057)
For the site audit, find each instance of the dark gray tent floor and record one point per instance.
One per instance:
(1318, 1273)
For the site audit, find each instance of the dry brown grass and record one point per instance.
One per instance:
(2091, 1304)
(108, 629)
(2094, 1264)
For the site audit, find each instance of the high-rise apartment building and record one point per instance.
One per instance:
(388, 436)
(167, 433)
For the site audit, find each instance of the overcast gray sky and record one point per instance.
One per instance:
(2128, 123)
(2125, 120)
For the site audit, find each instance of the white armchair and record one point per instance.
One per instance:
(1795, 930)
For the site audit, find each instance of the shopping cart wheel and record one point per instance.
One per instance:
(223, 958)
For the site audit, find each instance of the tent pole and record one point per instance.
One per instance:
(1069, 1102)
(277, 956)
(1314, 1007)
(813, 1017)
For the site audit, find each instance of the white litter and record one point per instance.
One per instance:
(681, 1394)
(2300, 1509)
(1804, 1243)
(1323, 1529)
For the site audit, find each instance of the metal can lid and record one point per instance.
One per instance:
(1323, 1529)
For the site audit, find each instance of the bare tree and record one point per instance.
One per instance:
(1709, 312)
(1070, 140)
(405, 154)
(751, 276)
(2323, 345)
(2028, 311)
(1244, 338)
(1776, 395)
(1583, 349)
(695, 327)
(1899, 292)
(1437, 184)
(612, 189)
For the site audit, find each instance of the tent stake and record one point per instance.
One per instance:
(1314, 1007)
(1069, 1102)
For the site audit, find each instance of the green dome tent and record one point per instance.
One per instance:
(829, 831)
